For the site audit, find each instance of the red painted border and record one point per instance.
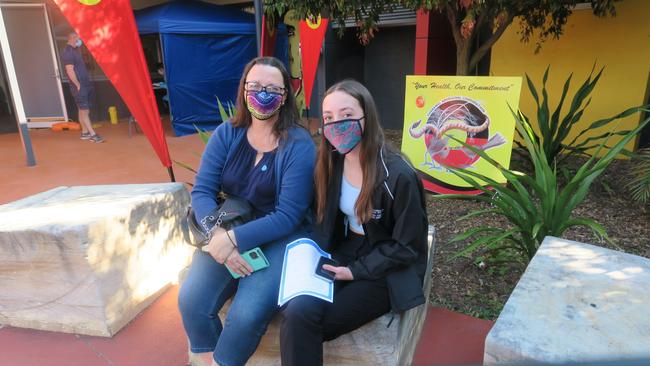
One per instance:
(432, 187)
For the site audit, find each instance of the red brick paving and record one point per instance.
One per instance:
(450, 338)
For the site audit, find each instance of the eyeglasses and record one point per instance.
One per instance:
(254, 86)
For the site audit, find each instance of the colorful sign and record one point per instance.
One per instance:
(472, 109)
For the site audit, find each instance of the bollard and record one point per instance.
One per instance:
(112, 113)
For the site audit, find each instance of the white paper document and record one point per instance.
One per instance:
(298, 272)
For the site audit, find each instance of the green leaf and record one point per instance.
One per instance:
(639, 183)
(556, 114)
(507, 200)
(203, 135)
(536, 229)
(231, 110)
(532, 89)
(476, 244)
(597, 228)
(518, 199)
(477, 213)
(471, 232)
(542, 113)
(605, 121)
(185, 166)
(222, 112)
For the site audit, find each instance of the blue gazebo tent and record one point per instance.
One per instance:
(205, 48)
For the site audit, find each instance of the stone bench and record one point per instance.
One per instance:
(88, 259)
(373, 344)
(575, 303)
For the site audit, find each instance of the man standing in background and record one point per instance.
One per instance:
(80, 85)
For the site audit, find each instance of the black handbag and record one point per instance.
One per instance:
(232, 211)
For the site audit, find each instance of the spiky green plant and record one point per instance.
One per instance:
(639, 184)
(555, 129)
(226, 115)
(534, 206)
(205, 136)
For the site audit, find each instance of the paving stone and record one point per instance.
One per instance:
(88, 259)
(575, 302)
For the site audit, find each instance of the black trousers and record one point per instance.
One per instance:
(308, 321)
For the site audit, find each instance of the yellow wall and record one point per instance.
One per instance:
(621, 44)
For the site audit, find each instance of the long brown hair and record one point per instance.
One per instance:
(372, 140)
(288, 112)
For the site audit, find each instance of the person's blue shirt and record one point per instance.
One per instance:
(293, 168)
(72, 56)
(254, 182)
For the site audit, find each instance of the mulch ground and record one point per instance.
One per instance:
(468, 286)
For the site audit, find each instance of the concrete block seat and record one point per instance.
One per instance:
(575, 303)
(88, 259)
(372, 344)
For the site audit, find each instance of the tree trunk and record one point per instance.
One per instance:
(462, 57)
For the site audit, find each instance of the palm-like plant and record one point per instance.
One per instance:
(535, 206)
(639, 184)
(555, 129)
(226, 115)
(205, 136)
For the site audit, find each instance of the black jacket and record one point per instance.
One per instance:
(396, 233)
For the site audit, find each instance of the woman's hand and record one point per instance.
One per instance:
(238, 264)
(219, 246)
(342, 273)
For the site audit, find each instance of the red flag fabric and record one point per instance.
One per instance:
(312, 34)
(269, 36)
(108, 30)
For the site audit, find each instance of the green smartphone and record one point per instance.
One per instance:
(255, 258)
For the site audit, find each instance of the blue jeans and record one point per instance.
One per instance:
(207, 287)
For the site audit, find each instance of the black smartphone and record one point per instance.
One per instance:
(328, 275)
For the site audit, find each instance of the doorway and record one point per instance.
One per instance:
(28, 35)
(7, 115)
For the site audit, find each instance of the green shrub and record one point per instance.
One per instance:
(554, 129)
(534, 206)
(226, 115)
(205, 136)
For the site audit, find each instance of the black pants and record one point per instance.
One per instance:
(308, 321)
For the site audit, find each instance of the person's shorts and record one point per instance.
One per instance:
(82, 96)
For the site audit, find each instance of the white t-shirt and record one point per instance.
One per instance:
(349, 196)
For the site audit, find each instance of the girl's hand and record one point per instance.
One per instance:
(238, 264)
(219, 246)
(342, 273)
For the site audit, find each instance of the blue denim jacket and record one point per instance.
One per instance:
(294, 171)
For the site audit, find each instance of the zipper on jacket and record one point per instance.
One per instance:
(392, 317)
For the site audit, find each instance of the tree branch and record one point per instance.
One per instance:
(479, 24)
(485, 47)
(452, 16)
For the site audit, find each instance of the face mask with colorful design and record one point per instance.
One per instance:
(262, 104)
(78, 43)
(344, 134)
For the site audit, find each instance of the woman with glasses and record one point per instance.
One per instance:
(371, 215)
(264, 156)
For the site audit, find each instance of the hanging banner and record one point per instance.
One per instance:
(312, 34)
(269, 35)
(108, 31)
(472, 109)
(295, 69)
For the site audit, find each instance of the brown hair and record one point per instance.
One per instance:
(288, 112)
(372, 140)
